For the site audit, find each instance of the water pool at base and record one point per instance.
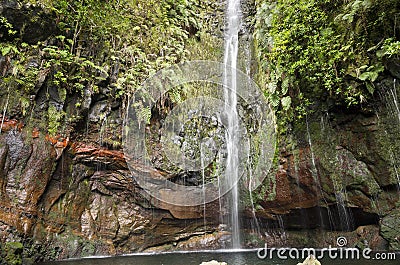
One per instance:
(231, 257)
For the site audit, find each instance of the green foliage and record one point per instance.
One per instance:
(354, 9)
(7, 48)
(390, 48)
(54, 118)
(139, 36)
(6, 26)
(311, 51)
(12, 253)
(113, 43)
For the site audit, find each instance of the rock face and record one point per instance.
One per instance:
(77, 198)
(32, 22)
(341, 165)
(339, 171)
(85, 203)
(390, 228)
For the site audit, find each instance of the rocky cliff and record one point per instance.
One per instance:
(66, 190)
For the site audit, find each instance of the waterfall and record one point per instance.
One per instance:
(395, 101)
(314, 172)
(395, 111)
(233, 14)
(391, 124)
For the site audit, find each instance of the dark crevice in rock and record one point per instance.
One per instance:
(318, 217)
(58, 184)
(391, 188)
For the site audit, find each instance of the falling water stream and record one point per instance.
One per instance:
(233, 14)
(395, 111)
(314, 172)
(395, 100)
(390, 97)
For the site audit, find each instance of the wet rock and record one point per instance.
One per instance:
(93, 155)
(369, 236)
(206, 241)
(4, 64)
(99, 111)
(32, 22)
(25, 175)
(292, 183)
(9, 124)
(393, 67)
(390, 229)
(345, 167)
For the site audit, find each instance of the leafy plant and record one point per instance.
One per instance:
(312, 51)
(117, 44)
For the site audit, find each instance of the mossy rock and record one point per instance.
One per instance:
(390, 229)
(12, 253)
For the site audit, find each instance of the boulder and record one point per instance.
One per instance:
(390, 229)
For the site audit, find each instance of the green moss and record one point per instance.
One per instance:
(323, 51)
(205, 47)
(12, 253)
(389, 229)
(54, 119)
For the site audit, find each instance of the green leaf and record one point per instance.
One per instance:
(285, 86)
(370, 87)
(364, 76)
(274, 100)
(272, 87)
(373, 76)
(5, 50)
(286, 102)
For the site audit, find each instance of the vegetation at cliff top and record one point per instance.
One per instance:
(114, 44)
(331, 52)
(327, 51)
